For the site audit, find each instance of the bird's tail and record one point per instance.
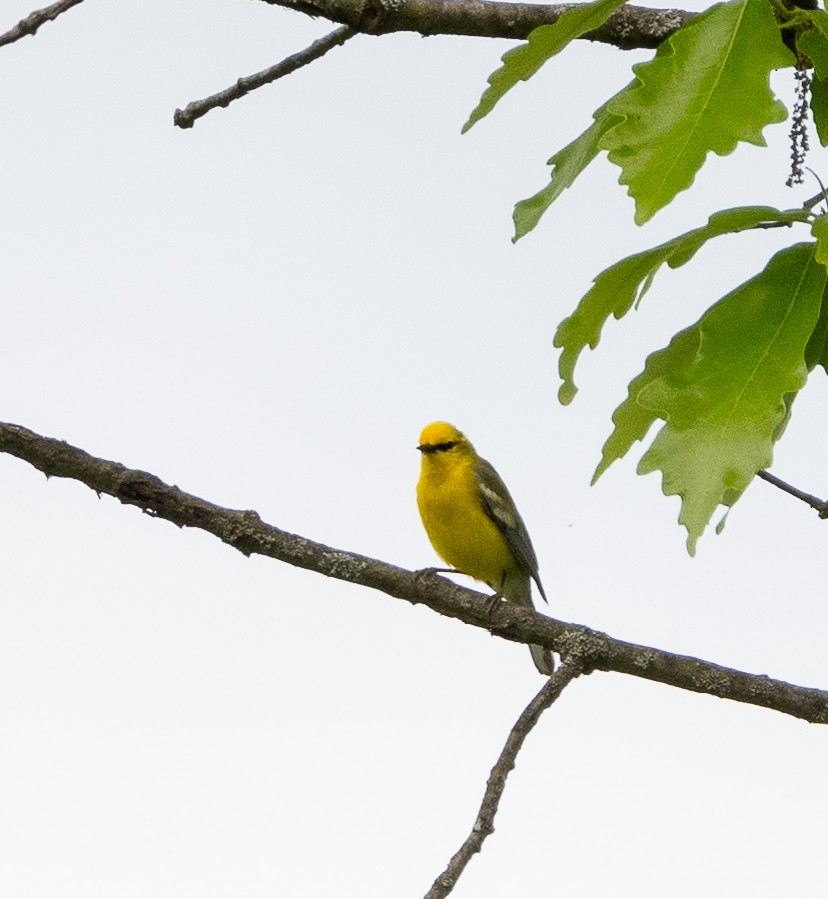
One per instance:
(543, 659)
(518, 589)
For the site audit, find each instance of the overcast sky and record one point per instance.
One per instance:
(265, 310)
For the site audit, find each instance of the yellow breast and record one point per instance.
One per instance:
(461, 532)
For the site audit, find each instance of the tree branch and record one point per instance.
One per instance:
(819, 505)
(628, 28)
(185, 118)
(495, 785)
(34, 20)
(246, 532)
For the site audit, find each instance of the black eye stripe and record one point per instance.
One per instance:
(438, 447)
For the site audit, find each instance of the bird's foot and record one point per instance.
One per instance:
(493, 602)
(432, 572)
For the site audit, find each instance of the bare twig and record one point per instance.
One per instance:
(185, 118)
(820, 505)
(495, 785)
(628, 28)
(246, 532)
(34, 20)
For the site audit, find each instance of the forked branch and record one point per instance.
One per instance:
(628, 28)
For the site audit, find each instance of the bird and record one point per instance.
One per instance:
(473, 523)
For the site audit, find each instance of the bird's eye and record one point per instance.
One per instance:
(437, 447)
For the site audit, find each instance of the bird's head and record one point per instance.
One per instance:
(440, 437)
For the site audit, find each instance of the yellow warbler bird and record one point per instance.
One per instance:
(473, 523)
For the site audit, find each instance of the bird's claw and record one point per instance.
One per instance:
(492, 603)
(433, 572)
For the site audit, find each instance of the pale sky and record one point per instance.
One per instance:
(265, 310)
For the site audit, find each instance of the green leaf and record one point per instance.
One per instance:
(814, 41)
(617, 288)
(705, 90)
(521, 63)
(724, 404)
(567, 164)
(819, 108)
(816, 353)
(631, 420)
(819, 229)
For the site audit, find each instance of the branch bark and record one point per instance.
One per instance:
(246, 532)
(185, 118)
(34, 20)
(628, 28)
(818, 505)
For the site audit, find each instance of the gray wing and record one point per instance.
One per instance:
(498, 504)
